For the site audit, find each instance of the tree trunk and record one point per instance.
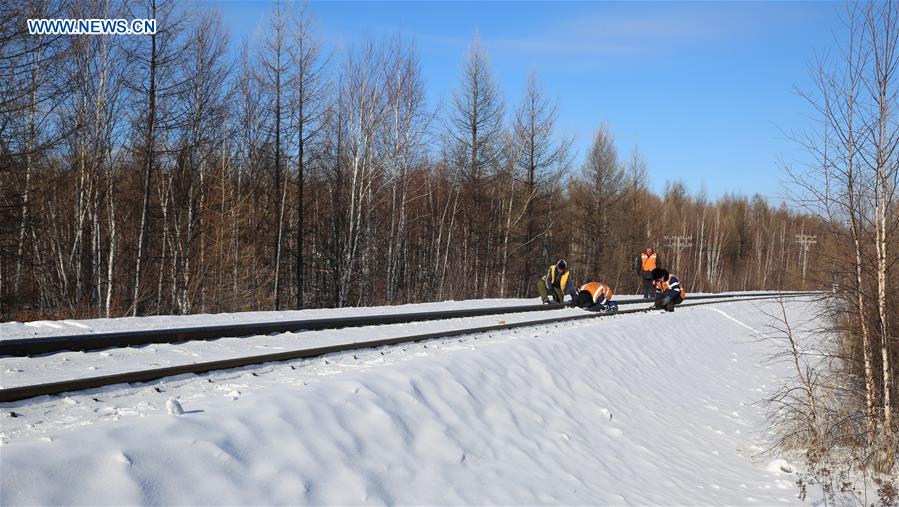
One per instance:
(148, 167)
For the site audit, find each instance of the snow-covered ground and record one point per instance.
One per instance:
(641, 409)
(44, 328)
(18, 371)
(47, 328)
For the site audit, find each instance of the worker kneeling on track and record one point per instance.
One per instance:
(668, 290)
(595, 297)
(556, 284)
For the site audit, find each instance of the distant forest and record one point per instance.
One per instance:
(167, 174)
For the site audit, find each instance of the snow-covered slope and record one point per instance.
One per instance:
(44, 328)
(640, 409)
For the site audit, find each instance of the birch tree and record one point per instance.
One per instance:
(202, 106)
(882, 22)
(405, 132)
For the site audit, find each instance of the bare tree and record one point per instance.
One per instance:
(405, 133)
(603, 179)
(476, 129)
(274, 62)
(883, 30)
(157, 55)
(539, 157)
(851, 187)
(201, 105)
(308, 83)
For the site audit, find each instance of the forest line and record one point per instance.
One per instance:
(164, 174)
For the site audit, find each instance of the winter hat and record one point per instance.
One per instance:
(659, 274)
(562, 264)
(649, 246)
(583, 297)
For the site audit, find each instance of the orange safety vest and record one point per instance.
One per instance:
(597, 289)
(649, 260)
(662, 286)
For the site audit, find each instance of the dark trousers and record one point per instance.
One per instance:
(668, 299)
(544, 294)
(648, 289)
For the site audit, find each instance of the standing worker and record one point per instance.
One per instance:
(645, 264)
(557, 283)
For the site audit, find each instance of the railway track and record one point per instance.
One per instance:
(97, 341)
(89, 342)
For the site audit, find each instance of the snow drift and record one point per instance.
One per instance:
(645, 409)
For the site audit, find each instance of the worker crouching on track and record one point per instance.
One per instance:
(596, 297)
(557, 282)
(668, 290)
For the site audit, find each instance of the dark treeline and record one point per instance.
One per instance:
(169, 174)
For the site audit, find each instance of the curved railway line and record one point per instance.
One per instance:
(32, 346)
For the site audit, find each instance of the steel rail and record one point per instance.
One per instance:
(21, 347)
(52, 388)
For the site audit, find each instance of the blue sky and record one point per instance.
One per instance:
(706, 90)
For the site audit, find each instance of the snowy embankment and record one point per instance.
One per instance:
(45, 328)
(648, 409)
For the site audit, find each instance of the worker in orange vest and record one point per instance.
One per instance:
(645, 264)
(596, 297)
(668, 290)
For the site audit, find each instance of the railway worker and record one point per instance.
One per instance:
(595, 296)
(645, 264)
(556, 283)
(668, 289)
